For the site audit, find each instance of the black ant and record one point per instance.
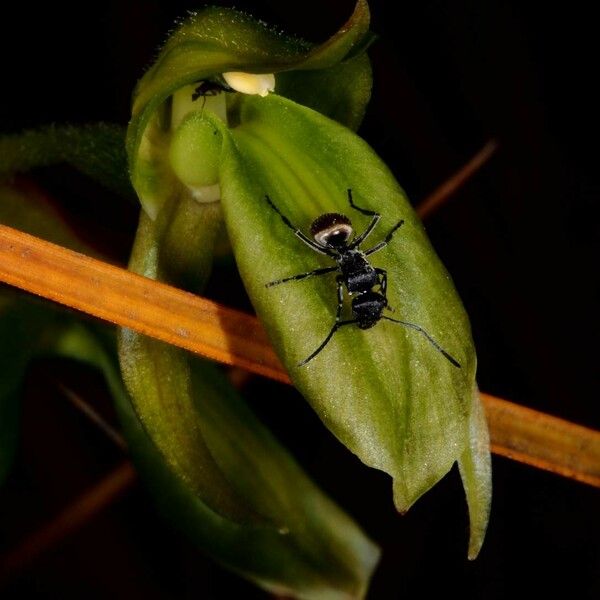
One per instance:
(332, 233)
(210, 88)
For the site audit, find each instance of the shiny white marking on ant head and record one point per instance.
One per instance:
(332, 230)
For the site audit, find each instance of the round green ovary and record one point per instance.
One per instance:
(195, 151)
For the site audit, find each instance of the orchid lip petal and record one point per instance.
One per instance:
(250, 83)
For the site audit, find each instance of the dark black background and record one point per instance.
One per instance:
(520, 239)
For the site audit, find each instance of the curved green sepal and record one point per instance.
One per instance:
(217, 40)
(387, 393)
(214, 468)
(475, 466)
(291, 539)
(97, 150)
(340, 92)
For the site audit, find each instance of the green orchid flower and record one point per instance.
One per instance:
(243, 138)
(218, 129)
(402, 397)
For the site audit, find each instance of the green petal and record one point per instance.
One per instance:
(475, 467)
(218, 40)
(386, 393)
(351, 38)
(340, 92)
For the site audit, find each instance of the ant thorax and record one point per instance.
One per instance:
(332, 230)
(358, 274)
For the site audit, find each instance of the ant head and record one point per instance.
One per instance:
(332, 230)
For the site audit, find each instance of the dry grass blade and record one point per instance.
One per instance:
(155, 309)
(443, 193)
(543, 441)
(235, 338)
(88, 411)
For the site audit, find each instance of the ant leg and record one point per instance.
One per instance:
(376, 217)
(364, 211)
(359, 240)
(197, 93)
(429, 338)
(297, 232)
(382, 281)
(333, 330)
(383, 286)
(202, 91)
(336, 326)
(387, 240)
(303, 276)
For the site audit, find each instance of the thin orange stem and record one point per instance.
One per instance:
(128, 300)
(445, 191)
(94, 416)
(543, 441)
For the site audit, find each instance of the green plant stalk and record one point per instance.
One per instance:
(242, 497)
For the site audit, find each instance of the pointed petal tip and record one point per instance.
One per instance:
(475, 544)
(403, 500)
(476, 473)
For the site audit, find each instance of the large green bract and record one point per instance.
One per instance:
(386, 392)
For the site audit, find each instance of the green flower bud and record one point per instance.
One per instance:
(195, 151)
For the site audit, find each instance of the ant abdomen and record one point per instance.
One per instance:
(367, 309)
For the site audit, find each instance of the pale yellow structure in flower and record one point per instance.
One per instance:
(250, 83)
